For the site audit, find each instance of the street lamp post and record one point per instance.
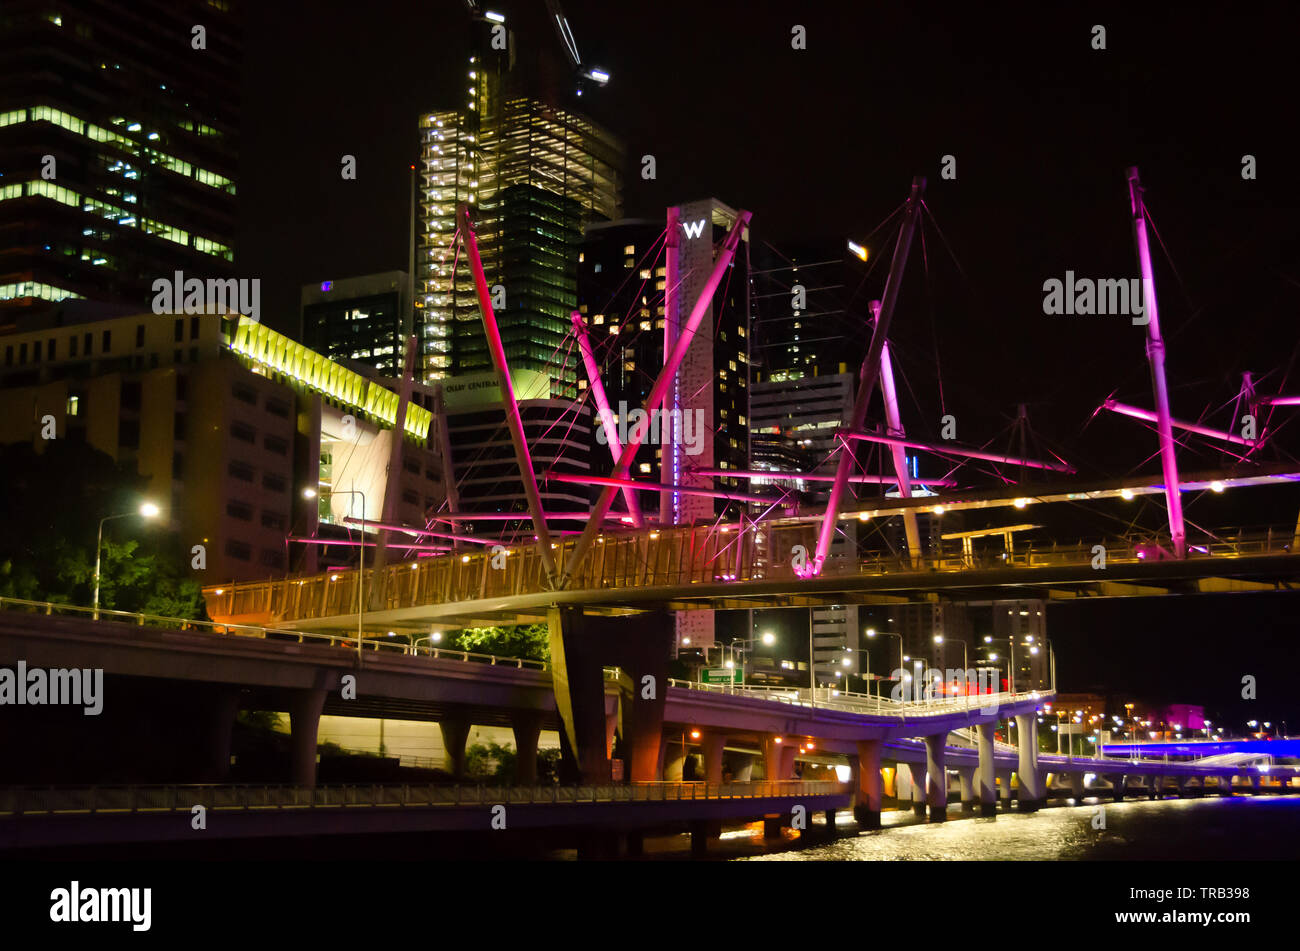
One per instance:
(361, 558)
(147, 510)
(871, 632)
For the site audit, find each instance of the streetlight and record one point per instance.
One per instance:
(310, 493)
(146, 510)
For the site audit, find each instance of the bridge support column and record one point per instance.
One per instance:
(745, 768)
(967, 777)
(1119, 786)
(787, 760)
(304, 726)
(1254, 784)
(774, 764)
(221, 712)
(771, 827)
(455, 731)
(1076, 788)
(916, 773)
(581, 647)
(1180, 783)
(985, 783)
(1225, 785)
(674, 761)
(870, 788)
(712, 744)
(1031, 781)
(1153, 786)
(699, 837)
(1004, 789)
(936, 776)
(527, 727)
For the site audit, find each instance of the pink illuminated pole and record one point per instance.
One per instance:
(894, 424)
(632, 485)
(669, 461)
(961, 451)
(667, 377)
(867, 376)
(602, 406)
(776, 476)
(511, 405)
(1156, 357)
(1145, 414)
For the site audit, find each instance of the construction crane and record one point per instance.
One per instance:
(562, 29)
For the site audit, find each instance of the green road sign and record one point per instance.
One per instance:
(722, 675)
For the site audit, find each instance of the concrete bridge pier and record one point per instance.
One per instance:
(527, 727)
(936, 776)
(455, 731)
(1031, 780)
(1076, 788)
(304, 726)
(745, 769)
(986, 783)
(870, 789)
(774, 748)
(1180, 783)
(1004, 789)
(966, 776)
(1119, 786)
(221, 713)
(771, 827)
(1254, 784)
(1225, 786)
(916, 773)
(1153, 787)
(712, 744)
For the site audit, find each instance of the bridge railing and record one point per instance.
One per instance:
(117, 800)
(832, 699)
(372, 642)
(671, 556)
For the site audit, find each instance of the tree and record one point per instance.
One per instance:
(527, 641)
(51, 510)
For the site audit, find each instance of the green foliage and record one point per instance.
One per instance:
(528, 641)
(491, 762)
(51, 510)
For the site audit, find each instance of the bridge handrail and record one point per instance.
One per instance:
(832, 699)
(134, 799)
(374, 643)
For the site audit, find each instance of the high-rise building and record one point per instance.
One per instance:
(119, 125)
(229, 421)
(359, 319)
(532, 170)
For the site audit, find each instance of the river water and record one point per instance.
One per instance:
(1239, 828)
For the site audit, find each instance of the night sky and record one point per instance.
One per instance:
(824, 142)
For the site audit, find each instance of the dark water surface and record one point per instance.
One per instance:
(1239, 828)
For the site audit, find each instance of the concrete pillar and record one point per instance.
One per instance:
(1225, 785)
(712, 744)
(526, 726)
(674, 760)
(1076, 787)
(455, 731)
(1031, 784)
(936, 776)
(917, 775)
(1153, 786)
(745, 768)
(986, 784)
(611, 725)
(221, 711)
(772, 827)
(1119, 786)
(304, 725)
(966, 775)
(1254, 784)
(902, 782)
(1180, 782)
(787, 760)
(699, 837)
(773, 748)
(870, 789)
(1004, 788)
